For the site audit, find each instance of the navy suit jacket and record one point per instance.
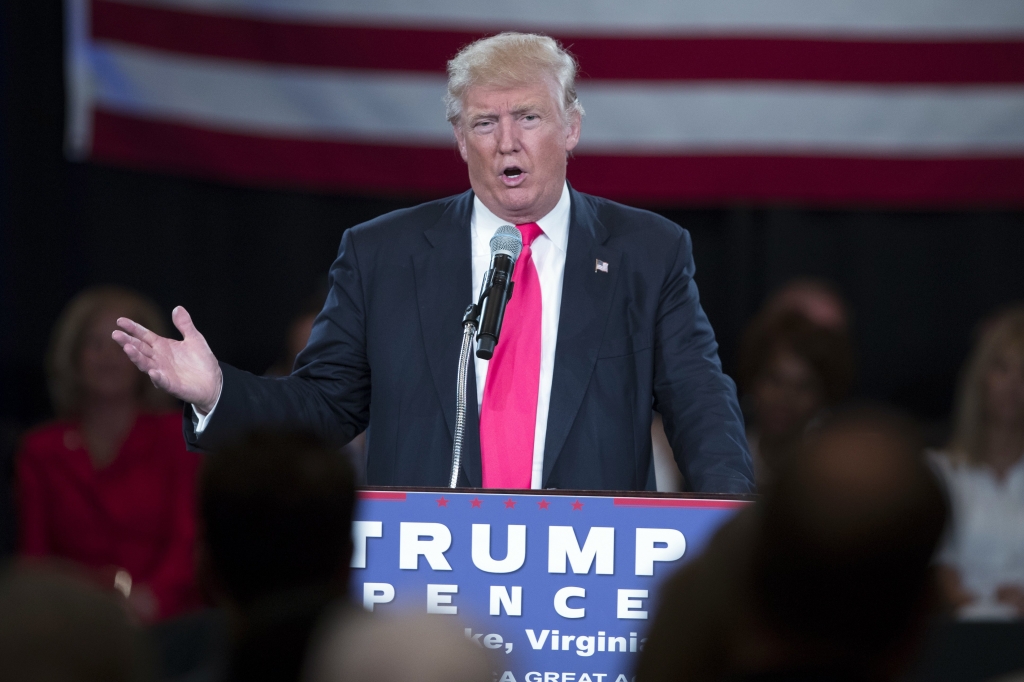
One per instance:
(384, 351)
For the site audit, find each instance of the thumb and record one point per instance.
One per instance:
(183, 321)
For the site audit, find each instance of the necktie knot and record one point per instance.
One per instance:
(530, 231)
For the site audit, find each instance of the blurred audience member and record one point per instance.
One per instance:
(818, 302)
(276, 540)
(983, 559)
(56, 628)
(790, 370)
(814, 299)
(296, 339)
(828, 577)
(110, 484)
(400, 648)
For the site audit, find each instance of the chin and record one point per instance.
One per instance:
(516, 202)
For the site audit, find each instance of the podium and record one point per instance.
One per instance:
(560, 586)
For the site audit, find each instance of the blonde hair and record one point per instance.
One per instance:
(65, 348)
(507, 60)
(1002, 332)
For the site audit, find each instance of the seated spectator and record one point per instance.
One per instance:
(55, 627)
(815, 300)
(109, 484)
(790, 371)
(828, 577)
(983, 558)
(276, 540)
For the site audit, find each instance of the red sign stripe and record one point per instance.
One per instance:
(666, 180)
(630, 58)
(674, 502)
(380, 495)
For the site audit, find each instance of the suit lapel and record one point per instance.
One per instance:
(444, 274)
(586, 298)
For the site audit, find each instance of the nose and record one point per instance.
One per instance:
(508, 135)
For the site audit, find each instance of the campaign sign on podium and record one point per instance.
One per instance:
(560, 588)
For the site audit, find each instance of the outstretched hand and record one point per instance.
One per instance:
(186, 369)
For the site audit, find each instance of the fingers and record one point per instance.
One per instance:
(140, 360)
(121, 337)
(137, 330)
(125, 340)
(183, 321)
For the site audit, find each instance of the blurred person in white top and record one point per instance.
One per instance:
(983, 466)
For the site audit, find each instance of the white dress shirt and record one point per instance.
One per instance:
(985, 541)
(549, 257)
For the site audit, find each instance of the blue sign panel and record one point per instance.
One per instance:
(560, 588)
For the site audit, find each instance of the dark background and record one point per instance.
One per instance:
(243, 260)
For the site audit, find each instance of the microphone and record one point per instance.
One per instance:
(506, 244)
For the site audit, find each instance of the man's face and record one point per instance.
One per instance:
(515, 142)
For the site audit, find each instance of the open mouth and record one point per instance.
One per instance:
(513, 172)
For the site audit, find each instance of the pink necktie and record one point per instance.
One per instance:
(508, 416)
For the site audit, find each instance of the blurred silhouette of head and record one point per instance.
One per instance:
(276, 515)
(790, 371)
(830, 571)
(814, 299)
(792, 368)
(83, 363)
(843, 557)
(55, 627)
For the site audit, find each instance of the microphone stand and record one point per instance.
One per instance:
(470, 321)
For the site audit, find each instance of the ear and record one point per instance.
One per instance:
(572, 136)
(460, 139)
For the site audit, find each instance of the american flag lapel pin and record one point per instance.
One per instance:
(601, 266)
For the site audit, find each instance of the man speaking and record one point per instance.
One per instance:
(603, 326)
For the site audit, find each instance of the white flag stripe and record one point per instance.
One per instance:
(917, 19)
(624, 117)
(273, 100)
(802, 117)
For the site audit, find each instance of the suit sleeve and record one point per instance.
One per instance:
(329, 391)
(697, 400)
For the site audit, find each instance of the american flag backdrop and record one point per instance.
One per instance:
(915, 103)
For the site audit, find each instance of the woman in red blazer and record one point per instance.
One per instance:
(109, 484)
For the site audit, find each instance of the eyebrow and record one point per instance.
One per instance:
(529, 106)
(517, 111)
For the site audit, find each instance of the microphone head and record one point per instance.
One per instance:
(507, 240)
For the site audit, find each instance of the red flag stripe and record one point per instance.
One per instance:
(671, 180)
(632, 58)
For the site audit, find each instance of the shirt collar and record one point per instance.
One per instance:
(555, 224)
